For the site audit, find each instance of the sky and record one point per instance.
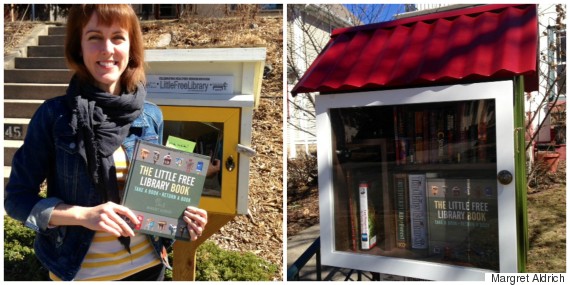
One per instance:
(369, 13)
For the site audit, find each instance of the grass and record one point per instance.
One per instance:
(547, 230)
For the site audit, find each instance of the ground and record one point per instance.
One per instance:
(261, 231)
(302, 210)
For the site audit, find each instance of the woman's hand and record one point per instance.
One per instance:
(196, 219)
(213, 168)
(105, 217)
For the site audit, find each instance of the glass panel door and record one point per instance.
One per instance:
(417, 181)
(408, 181)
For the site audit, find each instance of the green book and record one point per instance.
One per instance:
(161, 183)
(181, 144)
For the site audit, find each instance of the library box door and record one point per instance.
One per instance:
(408, 181)
(215, 132)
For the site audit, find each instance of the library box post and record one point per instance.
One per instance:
(208, 96)
(420, 139)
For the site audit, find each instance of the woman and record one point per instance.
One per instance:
(72, 141)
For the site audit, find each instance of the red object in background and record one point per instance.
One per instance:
(482, 43)
(550, 159)
(561, 149)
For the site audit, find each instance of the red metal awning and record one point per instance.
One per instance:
(481, 43)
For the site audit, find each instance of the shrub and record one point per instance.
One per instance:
(302, 171)
(213, 263)
(216, 264)
(20, 261)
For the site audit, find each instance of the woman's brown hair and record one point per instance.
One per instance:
(107, 14)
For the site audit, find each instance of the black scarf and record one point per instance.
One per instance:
(102, 121)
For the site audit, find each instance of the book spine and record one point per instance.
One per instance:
(472, 135)
(433, 154)
(419, 141)
(418, 211)
(128, 178)
(404, 144)
(426, 138)
(410, 134)
(441, 138)
(367, 218)
(450, 136)
(352, 214)
(401, 210)
(462, 146)
(482, 133)
(396, 135)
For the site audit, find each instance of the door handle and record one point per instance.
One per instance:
(505, 177)
(230, 163)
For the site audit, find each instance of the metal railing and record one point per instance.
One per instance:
(293, 270)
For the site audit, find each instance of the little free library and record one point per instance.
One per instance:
(420, 136)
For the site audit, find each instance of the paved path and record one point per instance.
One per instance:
(297, 244)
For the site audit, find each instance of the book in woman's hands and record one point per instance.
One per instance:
(161, 183)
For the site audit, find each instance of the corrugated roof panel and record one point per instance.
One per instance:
(476, 44)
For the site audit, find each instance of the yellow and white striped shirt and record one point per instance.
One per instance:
(107, 259)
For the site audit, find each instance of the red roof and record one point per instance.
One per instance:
(481, 43)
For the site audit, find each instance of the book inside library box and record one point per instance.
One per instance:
(416, 181)
(207, 139)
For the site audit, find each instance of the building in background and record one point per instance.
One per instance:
(308, 31)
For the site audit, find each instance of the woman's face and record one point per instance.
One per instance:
(105, 53)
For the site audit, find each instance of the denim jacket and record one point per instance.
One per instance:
(50, 152)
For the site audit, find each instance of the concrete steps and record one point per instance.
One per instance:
(31, 79)
(34, 91)
(40, 63)
(53, 76)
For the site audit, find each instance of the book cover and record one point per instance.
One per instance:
(161, 183)
(462, 221)
(401, 207)
(367, 218)
(418, 211)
